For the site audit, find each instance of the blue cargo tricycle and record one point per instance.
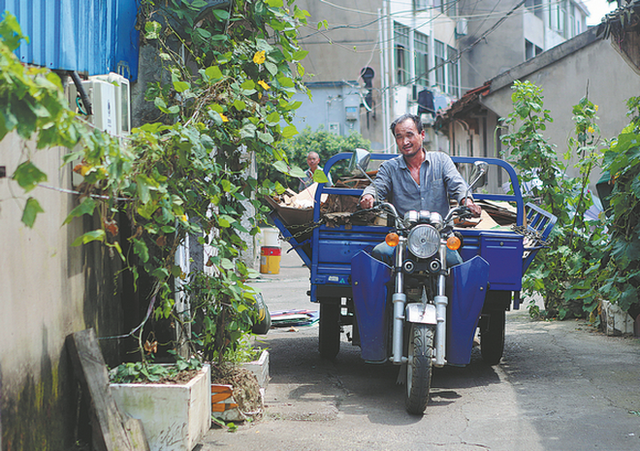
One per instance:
(418, 312)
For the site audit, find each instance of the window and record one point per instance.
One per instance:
(531, 50)
(420, 5)
(452, 72)
(535, 6)
(421, 48)
(439, 61)
(401, 39)
(557, 15)
(574, 21)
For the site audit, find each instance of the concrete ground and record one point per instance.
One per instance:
(560, 386)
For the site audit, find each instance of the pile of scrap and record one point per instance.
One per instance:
(295, 208)
(501, 212)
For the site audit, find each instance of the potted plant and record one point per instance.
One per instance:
(172, 401)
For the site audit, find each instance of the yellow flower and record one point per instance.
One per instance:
(183, 217)
(223, 117)
(596, 108)
(259, 57)
(263, 84)
(591, 129)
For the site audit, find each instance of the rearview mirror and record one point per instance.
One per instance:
(358, 166)
(359, 162)
(478, 171)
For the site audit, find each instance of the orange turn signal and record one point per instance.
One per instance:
(453, 243)
(392, 239)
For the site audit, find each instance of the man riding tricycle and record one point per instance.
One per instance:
(416, 289)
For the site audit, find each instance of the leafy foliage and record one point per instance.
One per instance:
(620, 277)
(32, 105)
(131, 372)
(224, 94)
(563, 273)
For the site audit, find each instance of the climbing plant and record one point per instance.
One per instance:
(619, 276)
(563, 273)
(31, 104)
(223, 94)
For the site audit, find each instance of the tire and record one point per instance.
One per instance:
(492, 337)
(263, 320)
(418, 383)
(329, 333)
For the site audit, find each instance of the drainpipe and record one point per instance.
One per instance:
(385, 60)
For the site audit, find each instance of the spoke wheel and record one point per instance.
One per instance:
(420, 350)
(329, 331)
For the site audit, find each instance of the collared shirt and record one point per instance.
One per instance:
(439, 181)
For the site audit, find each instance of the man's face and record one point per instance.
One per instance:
(313, 160)
(408, 139)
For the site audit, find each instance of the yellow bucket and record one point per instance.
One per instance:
(270, 260)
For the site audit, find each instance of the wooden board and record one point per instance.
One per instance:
(111, 430)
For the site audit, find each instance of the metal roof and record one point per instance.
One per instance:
(89, 36)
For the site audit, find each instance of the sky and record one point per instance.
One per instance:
(597, 9)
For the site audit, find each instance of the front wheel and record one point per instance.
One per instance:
(419, 368)
(492, 337)
(329, 330)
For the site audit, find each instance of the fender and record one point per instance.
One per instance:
(369, 279)
(417, 312)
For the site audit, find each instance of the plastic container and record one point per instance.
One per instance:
(270, 260)
(270, 237)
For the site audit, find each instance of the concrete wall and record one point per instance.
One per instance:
(329, 106)
(48, 290)
(500, 50)
(567, 80)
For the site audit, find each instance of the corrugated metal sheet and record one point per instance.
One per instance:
(90, 36)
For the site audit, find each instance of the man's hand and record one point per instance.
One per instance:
(367, 201)
(476, 211)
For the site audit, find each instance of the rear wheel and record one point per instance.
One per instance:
(492, 337)
(329, 331)
(420, 350)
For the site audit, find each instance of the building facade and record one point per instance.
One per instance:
(502, 35)
(419, 56)
(381, 55)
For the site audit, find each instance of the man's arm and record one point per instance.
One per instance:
(379, 189)
(457, 188)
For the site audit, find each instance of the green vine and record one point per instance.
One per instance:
(563, 273)
(224, 94)
(620, 275)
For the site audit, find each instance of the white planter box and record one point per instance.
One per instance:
(260, 368)
(616, 320)
(175, 417)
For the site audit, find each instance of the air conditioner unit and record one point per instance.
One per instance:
(123, 100)
(110, 107)
(110, 103)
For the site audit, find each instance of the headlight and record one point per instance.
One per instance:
(423, 241)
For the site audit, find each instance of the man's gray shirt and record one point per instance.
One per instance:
(439, 181)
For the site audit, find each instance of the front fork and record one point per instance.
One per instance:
(399, 299)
